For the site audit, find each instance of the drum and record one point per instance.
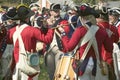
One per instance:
(64, 69)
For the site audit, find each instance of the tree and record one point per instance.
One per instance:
(85, 1)
(78, 2)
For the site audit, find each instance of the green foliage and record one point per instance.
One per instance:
(85, 1)
(78, 2)
(4, 2)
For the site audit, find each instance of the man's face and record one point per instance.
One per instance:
(98, 20)
(55, 13)
(112, 19)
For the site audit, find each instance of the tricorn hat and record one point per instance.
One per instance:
(115, 11)
(34, 6)
(54, 6)
(103, 12)
(9, 14)
(23, 12)
(85, 10)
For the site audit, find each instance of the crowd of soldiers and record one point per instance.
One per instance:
(87, 33)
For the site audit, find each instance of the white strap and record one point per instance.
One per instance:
(109, 32)
(118, 23)
(92, 31)
(83, 23)
(81, 41)
(18, 31)
(75, 49)
(17, 35)
(21, 45)
(95, 46)
(70, 18)
(86, 50)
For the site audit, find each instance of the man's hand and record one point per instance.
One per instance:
(61, 30)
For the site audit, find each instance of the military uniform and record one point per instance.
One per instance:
(30, 36)
(88, 67)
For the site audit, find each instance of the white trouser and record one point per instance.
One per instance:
(57, 54)
(18, 75)
(116, 59)
(116, 50)
(88, 72)
(99, 75)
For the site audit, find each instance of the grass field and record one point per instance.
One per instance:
(43, 75)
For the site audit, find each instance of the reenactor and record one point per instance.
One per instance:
(55, 49)
(91, 45)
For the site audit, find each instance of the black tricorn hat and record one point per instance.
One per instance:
(115, 11)
(9, 14)
(85, 10)
(23, 12)
(103, 12)
(54, 6)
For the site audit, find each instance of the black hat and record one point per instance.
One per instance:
(23, 12)
(103, 12)
(54, 6)
(9, 14)
(85, 10)
(114, 11)
(33, 5)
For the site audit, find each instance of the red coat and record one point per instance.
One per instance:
(118, 30)
(101, 37)
(30, 35)
(65, 25)
(66, 28)
(106, 25)
(107, 56)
